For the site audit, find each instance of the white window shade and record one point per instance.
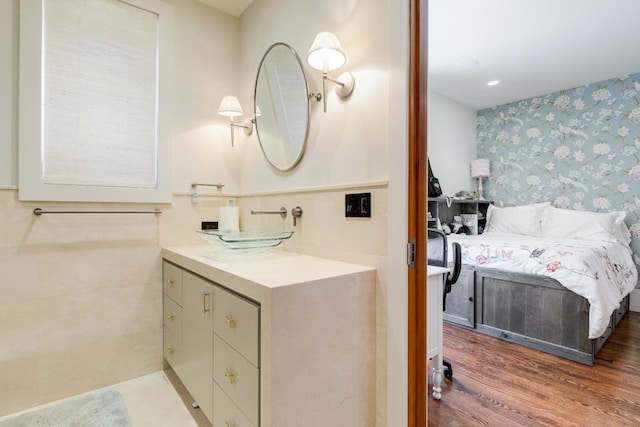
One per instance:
(103, 85)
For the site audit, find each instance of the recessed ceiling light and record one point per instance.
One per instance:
(493, 82)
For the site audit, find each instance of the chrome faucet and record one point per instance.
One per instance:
(282, 212)
(296, 213)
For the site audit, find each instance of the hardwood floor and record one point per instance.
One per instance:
(496, 383)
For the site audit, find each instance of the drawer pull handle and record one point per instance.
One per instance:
(170, 350)
(171, 316)
(230, 321)
(230, 376)
(205, 309)
(171, 282)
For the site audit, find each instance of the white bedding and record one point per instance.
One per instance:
(601, 272)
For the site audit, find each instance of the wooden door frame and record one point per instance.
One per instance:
(417, 220)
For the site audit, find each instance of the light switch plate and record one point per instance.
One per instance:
(209, 225)
(357, 205)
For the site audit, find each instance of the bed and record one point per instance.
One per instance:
(553, 279)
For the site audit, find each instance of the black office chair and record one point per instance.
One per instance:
(437, 256)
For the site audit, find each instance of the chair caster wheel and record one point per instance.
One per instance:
(448, 374)
(448, 370)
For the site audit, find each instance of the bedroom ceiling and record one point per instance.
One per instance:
(531, 47)
(232, 7)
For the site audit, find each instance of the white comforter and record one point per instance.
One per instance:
(601, 272)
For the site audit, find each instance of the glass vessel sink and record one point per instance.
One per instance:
(245, 241)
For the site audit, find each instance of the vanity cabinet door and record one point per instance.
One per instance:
(172, 331)
(172, 349)
(226, 412)
(238, 378)
(172, 313)
(235, 320)
(236, 358)
(172, 281)
(195, 369)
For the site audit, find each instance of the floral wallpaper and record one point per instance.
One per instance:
(577, 148)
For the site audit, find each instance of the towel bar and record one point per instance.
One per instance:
(38, 211)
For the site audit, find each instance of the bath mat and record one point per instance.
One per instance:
(100, 409)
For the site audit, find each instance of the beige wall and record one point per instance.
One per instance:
(80, 295)
(349, 143)
(206, 64)
(348, 150)
(324, 231)
(95, 317)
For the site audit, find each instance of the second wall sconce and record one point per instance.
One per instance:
(326, 55)
(230, 107)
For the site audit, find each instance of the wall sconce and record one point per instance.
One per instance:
(230, 107)
(326, 55)
(480, 169)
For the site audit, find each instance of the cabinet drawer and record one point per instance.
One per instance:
(460, 302)
(172, 317)
(600, 341)
(238, 378)
(226, 413)
(236, 320)
(171, 347)
(172, 281)
(620, 312)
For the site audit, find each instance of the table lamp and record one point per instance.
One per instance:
(480, 169)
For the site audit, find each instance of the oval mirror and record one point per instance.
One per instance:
(281, 103)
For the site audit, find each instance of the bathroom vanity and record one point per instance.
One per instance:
(271, 339)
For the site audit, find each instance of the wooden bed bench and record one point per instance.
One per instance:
(534, 311)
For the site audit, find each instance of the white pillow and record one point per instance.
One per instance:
(516, 220)
(622, 233)
(567, 223)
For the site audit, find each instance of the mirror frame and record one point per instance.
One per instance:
(298, 158)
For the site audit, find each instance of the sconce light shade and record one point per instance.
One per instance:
(326, 53)
(480, 168)
(230, 107)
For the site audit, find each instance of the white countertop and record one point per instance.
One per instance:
(268, 270)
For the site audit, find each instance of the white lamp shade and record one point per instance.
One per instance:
(230, 107)
(480, 168)
(326, 53)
